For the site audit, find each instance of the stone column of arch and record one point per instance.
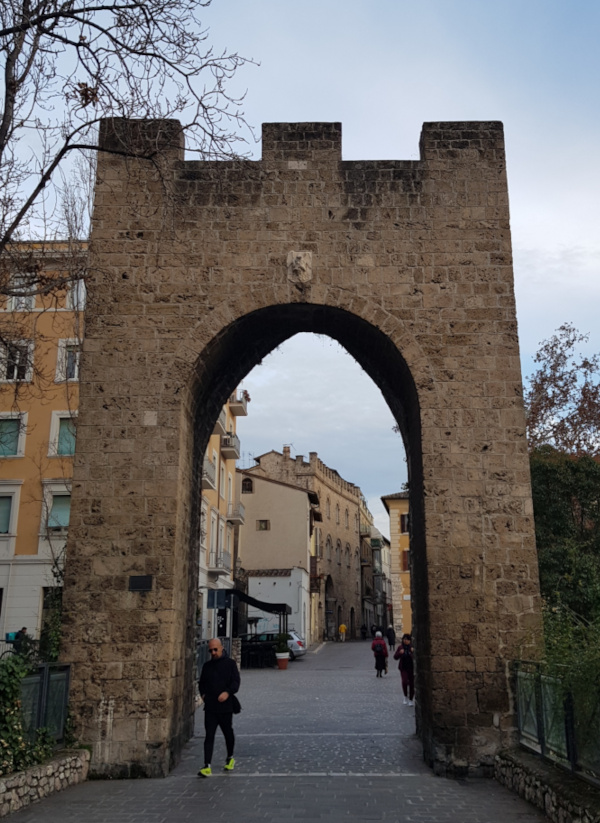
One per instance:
(197, 271)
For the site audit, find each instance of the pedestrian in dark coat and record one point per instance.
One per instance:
(404, 654)
(219, 682)
(379, 649)
(391, 637)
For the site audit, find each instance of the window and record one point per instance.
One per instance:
(357, 559)
(222, 481)
(12, 434)
(5, 512)
(337, 513)
(24, 284)
(16, 361)
(229, 488)
(9, 509)
(76, 295)
(347, 518)
(263, 525)
(328, 509)
(62, 434)
(348, 555)
(247, 486)
(404, 523)
(60, 512)
(67, 363)
(338, 553)
(213, 534)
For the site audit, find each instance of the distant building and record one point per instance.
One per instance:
(382, 579)
(336, 571)
(397, 507)
(222, 515)
(366, 564)
(279, 547)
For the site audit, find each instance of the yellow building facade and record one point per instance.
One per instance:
(397, 507)
(41, 327)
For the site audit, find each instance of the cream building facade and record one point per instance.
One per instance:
(336, 577)
(397, 507)
(222, 515)
(280, 549)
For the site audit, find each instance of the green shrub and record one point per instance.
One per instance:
(16, 751)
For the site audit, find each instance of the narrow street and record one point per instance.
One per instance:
(325, 740)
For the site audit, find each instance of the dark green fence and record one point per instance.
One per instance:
(45, 699)
(556, 723)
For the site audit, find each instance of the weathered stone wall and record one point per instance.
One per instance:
(200, 269)
(20, 789)
(563, 797)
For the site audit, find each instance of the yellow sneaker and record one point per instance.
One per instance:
(205, 772)
(229, 765)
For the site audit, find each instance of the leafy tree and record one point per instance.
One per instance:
(566, 503)
(563, 397)
(563, 426)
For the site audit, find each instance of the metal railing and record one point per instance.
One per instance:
(554, 724)
(45, 699)
(220, 561)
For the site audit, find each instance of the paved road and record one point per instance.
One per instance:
(324, 741)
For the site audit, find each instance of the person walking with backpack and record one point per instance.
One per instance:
(379, 649)
(404, 654)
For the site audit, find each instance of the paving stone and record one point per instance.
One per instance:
(324, 741)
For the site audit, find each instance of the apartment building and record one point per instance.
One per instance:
(366, 564)
(222, 515)
(41, 326)
(382, 579)
(397, 507)
(279, 550)
(336, 571)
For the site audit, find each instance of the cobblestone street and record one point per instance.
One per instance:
(325, 740)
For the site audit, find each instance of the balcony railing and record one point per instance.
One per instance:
(365, 528)
(209, 474)
(219, 562)
(236, 513)
(238, 404)
(230, 446)
(221, 424)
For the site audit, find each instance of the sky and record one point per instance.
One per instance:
(382, 68)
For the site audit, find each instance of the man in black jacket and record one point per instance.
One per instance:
(219, 681)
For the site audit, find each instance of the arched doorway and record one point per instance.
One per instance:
(195, 276)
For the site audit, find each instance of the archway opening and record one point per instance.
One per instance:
(227, 360)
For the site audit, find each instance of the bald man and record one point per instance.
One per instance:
(219, 681)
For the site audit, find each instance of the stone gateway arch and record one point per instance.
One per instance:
(200, 269)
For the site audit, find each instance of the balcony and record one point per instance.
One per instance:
(221, 424)
(230, 446)
(219, 563)
(365, 529)
(209, 474)
(238, 404)
(236, 514)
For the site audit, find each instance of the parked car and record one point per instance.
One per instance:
(296, 644)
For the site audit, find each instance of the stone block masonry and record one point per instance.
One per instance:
(197, 271)
(20, 789)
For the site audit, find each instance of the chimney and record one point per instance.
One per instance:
(286, 452)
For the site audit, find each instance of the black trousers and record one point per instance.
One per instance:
(212, 722)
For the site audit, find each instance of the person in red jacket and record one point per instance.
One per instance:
(380, 650)
(404, 654)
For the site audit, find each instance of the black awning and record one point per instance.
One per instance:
(272, 608)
